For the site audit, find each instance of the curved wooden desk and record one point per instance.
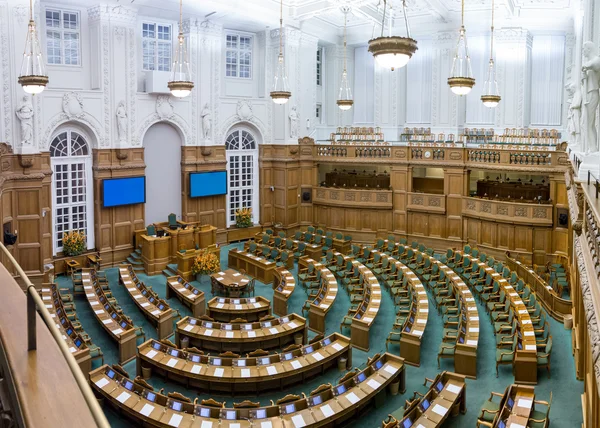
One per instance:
(324, 299)
(189, 295)
(284, 285)
(251, 309)
(117, 326)
(257, 267)
(243, 375)
(327, 408)
(156, 310)
(249, 337)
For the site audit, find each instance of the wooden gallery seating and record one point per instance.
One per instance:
(257, 267)
(230, 374)
(250, 309)
(75, 341)
(241, 337)
(189, 295)
(446, 396)
(117, 325)
(412, 307)
(284, 285)
(514, 408)
(326, 406)
(320, 280)
(155, 309)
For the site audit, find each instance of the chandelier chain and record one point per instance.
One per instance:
(281, 28)
(492, 35)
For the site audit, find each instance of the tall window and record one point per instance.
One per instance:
(319, 65)
(242, 170)
(62, 37)
(238, 56)
(71, 187)
(157, 46)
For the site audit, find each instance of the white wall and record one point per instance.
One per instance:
(547, 55)
(162, 153)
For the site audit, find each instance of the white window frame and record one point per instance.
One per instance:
(237, 51)
(89, 188)
(62, 31)
(158, 43)
(255, 185)
(319, 113)
(319, 66)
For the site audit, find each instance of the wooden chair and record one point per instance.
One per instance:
(246, 404)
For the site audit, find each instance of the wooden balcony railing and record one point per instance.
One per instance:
(514, 212)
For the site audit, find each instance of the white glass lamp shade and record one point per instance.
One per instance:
(392, 61)
(461, 79)
(345, 101)
(280, 93)
(33, 76)
(491, 95)
(181, 84)
(392, 52)
(461, 90)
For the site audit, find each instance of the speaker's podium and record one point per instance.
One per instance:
(185, 260)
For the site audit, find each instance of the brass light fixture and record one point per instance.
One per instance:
(491, 96)
(281, 92)
(461, 79)
(345, 101)
(393, 51)
(181, 84)
(33, 76)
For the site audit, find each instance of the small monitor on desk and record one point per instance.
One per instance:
(407, 329)
(192, 321)
(230, 415)
(461, 340)
(424, 404)
(267, 324)
(128, 385)
(78, 342)
(196, 291)
(260, 414)
(107, 307)
(161, 306)
(407, 423)
(358, 316)
(265, 361)
(308, 349)
(195, 358)
(114, 315)
(501, 424)
(177, 406)
(284, 320)
(439, 386)
(240, 363)
(150, 396)
(326, 341)
(157, 346)
(247, 326)
(110, 373)
(288, 408)
(208, 324)
(123, 324)
(287, 356)
(227, 326)
(340, 389)
(203, 412)
(63, 321)
(216, 362)
(510, 403)
(69, 331)
(361, 377)
(174, 353)
(378, 365)
(316, 400)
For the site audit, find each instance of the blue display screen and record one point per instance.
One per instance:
(208, 183)
(124, 191)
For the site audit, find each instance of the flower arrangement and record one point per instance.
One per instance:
(206, 263)
(243, 217)
(73, 243)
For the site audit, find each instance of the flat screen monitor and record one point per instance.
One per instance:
(308, 349)
(208, 325)
(316, 400)
(128, 385)
(424, 404)
(176, 406)
(174, 353)
(192, 321)
(69, 331)
(195, 358)
(378, 365)
(284, 320)
(151, 396)
(204, 412)
(123, 191)
(216, 362)
(501, 424)
(340, 389)
(227, 327)
(156, 346)
(208, 183)
(288, 356)
(267, 324)
(461, 340)
(230, 415)
(241, 363)
(407, 423)
(261, 414)
(326, 341)
(265, 361)
(114, 315)
(290, 408)
(439, 386)
(195, 291)
(510, 403)
(111, 374)
(78, 343)
(123, 324)
(361, 377)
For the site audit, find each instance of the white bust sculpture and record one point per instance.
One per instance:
(293, 122)
(25, 115)
(574, 115)
(122, 122)
(591, 84)
(206, 121)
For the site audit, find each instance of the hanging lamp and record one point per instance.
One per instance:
(345, 101)
(491, 96)
(33, 76)
(281, 92)
(461, 79)
(393, 51)
(181, 84)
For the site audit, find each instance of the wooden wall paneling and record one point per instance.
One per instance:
(400, 181)
(437, 226)
(454, 188)
(505, 235)
(523, 239)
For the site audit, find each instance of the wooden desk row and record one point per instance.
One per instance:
(243, 375)
(325, 297)
(284, 285)
(311, 250)
(328, 406)
(257, 267)
(117, 326)
(207, 335)
(53, 302)
(341, 245)
(189, 295)
(156, 310)
(525, 357)
(251, 309)
(259, 249)
(515, 407)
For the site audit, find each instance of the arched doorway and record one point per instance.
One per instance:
(162, 154)
(242, 172)
(72, 189)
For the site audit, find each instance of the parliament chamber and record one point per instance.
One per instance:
(300, 213)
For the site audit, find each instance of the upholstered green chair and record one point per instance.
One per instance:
(298, 235)
(283, 259)
(543, 358)
(151, 230)
(328, 243)
(506, 356)
(540, 418)
(300, 251)
(489, 410)
(173, 222)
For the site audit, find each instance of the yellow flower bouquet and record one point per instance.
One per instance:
(243, 217)
(206, 263)
(73, 243)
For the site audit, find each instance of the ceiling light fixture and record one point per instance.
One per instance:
(281, 92)
(393, 51)
(461, 79)
(491, 96)
(33, 76)
(344, 101)
(181, 84)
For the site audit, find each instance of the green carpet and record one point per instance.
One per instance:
(566, 408)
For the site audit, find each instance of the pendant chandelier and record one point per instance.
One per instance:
(393, 51)
(181, 84)
(33, 76)
(281, 91)
(491, 95)
(461, 79)
(344, 101)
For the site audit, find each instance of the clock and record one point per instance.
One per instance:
(427, 154)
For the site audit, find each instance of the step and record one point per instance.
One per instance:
(134, 262)
(135, 256)
(138, 251)
(139, 269)
(169, 271)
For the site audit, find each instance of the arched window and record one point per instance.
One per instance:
(72, 190)
(242, 170)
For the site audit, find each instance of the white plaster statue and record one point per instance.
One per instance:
(25, 115)
(293, 122)
(122, 122)
(206, 121)
(574, 115)
(590, 96)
